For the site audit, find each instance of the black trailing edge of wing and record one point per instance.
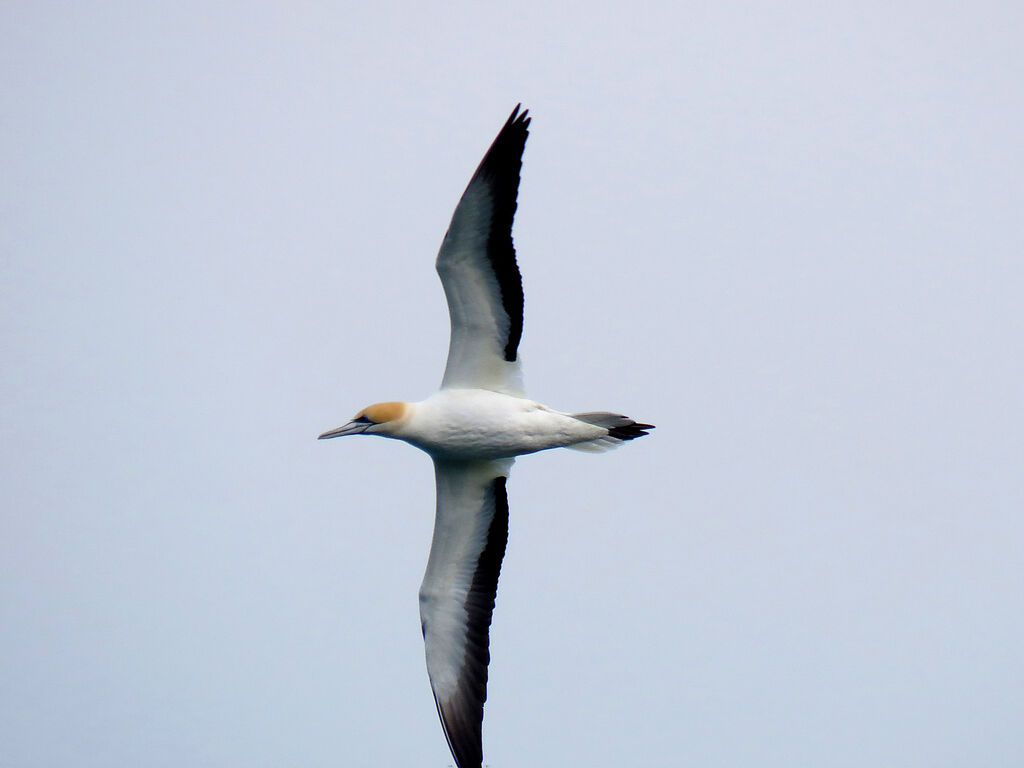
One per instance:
(462, 715)
(500, 169)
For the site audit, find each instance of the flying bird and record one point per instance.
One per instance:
(473, 428)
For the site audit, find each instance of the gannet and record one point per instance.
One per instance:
(473, 429)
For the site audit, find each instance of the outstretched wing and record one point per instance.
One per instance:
(457, 595)
(477, 265)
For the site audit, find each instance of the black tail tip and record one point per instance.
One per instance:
(629, 431)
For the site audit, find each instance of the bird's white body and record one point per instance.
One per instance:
(480, 424)
(473, 428)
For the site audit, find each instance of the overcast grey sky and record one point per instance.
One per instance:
(790, 237)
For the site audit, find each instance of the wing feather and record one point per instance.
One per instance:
(478, 269)
(457, 596)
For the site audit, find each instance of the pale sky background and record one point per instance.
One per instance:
(791, 237)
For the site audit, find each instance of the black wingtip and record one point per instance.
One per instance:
(518, 117)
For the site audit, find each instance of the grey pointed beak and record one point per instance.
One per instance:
(352, 428)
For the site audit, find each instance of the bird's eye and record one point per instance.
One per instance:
(362, 420)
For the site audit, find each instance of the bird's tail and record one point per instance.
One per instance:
(620, 428)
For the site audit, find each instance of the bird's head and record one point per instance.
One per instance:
(376, 419)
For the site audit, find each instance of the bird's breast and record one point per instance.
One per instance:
(479, 424)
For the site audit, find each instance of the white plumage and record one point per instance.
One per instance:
(473, 428)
